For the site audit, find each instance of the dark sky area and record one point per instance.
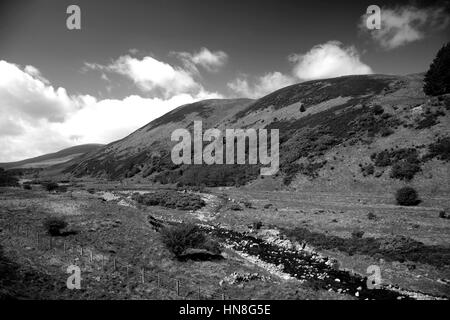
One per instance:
(257, 35)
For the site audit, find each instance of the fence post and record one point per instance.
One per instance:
(178, 287)
(114, 264)
(81, 251)
(143, 275)
(90, 256)
(223, 296)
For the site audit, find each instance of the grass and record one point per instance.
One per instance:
(392, 249)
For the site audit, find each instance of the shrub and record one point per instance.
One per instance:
(257, 225)
(27, 187)
(442, 214)
(404, 170)
(235, 207)
(377, 109)
(7, 179)
(437, 78)
(302, 108)
(371, 216)
(440, 149)
(407, 196)
(181, 237)
(54, 225)
(51, 186)
(357, 234)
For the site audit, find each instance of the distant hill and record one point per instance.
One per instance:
(51, 159)
(361, 132)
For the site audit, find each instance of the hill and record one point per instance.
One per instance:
(352, 132)
(51, 159)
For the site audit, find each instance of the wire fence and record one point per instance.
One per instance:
(81, 255)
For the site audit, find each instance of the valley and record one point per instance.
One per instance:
(253, 239)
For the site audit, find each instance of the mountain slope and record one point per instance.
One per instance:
(331, 132)
(51, 159)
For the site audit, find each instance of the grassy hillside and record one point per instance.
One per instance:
(50, 159)
(354, 131)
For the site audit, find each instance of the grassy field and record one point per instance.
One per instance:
(113, 231)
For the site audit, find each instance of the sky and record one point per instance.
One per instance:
(133, 61)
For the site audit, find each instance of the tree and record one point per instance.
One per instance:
(407, 196)
(437, 79)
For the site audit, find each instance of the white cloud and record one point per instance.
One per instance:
(35, 118)
(211, 61)
(150, 74)
(24, 93)
(262, 86)
(328, 60)
(403, 25)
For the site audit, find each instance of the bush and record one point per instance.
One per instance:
(27, 187)
(51, 186)
(377, 109)
(170, 199)
(442, 214)
(371, 216)
(357, 234)
(437, 79)
(407, 196)
(404, 170)
(302, 108)
(7, 179)
(54, 225)
(181, 237)
(257, 225)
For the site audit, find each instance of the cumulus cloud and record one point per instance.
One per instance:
(152, 75)
(261, 86)
(406, 24)
(328, 60)
(26, 94)
(36, 118)
(211, 61)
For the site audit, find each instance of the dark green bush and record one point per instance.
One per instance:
(7, 179)
(51, 186)
(404, 170)
(181, 237)
(407, 196)
(54, 225)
